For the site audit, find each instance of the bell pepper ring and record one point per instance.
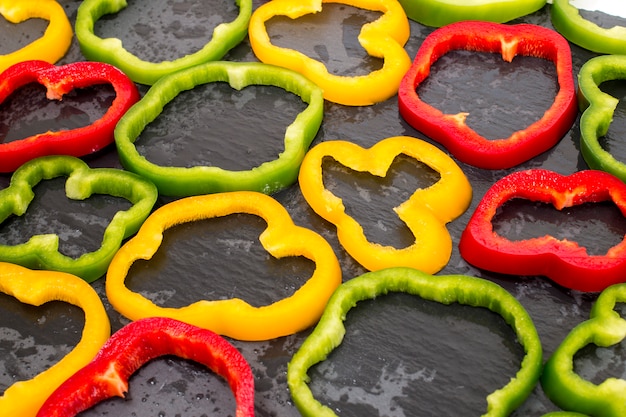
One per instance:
(384, 38)
(569, 390)
(225, 36)
(232, 317)
(24, 398)
(425, 213)
(54, 43)
(60, 80)
(41, 251)
(445, 289)
(451, 130)
(139, 342)
(269, 177)
(563, 261)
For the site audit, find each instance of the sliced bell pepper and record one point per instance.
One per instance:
(41, 251)
(225, 36)
(563, 261)
(54, 43)
(268, 177)
(139, 342)
(426, 212)
(383, 38)
(445, 289)
(24, 398)
(452, 131)
(567, 20)
(60, 80)
(232, 317)
(569, 390)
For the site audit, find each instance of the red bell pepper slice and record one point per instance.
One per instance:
(563, 261)
(60, 80)
(450, 129)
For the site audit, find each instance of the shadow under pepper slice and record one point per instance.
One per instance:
(24, 398)
(232, 317)
(445, 289)
(41, 251)
(139, 342)
(451, 130)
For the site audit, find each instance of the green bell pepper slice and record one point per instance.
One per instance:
(269, 177)
(41, 251)
(225, 36)
(445, 289)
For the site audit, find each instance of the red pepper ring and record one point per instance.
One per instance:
(137, 343)
(563, 261)
(450, 129)
(60, 80)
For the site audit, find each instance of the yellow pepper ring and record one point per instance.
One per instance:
(233, 317)
(25, 398)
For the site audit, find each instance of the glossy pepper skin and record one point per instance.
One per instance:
(567, 20)
(233, 317)
(445, 289)
(269, 177)
(569, 390)
(451, 130)
(384, 38)
(60, 80)
(225, 36)
(139, 342)
(41, 251)
(563, 261)
(24, 398)
(426, 212)
(54, 43)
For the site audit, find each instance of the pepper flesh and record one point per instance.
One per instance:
(563, 261)
(232, 317)
(451, 130)
(426, 212)
(24, 398)
(139, 342)
(445, 289)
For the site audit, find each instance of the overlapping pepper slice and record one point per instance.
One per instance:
(54, 43)
(225, 36)
(41, 251)
(60, 80)
(450, 129)
(563, 261)
(139, 342)
(568, 389)
(269, 177)
(383, 38)
(232, 317)
(445, 289)
(24, 398)
(426, 212)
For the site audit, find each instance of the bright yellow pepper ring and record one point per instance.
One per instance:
(25, 398)
(55, 41)
(233, 317)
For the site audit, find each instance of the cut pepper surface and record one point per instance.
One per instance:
(24, 398)
(54, 43)
(563, 261)
(445, 289)
(41, 251)
(232, 317)
(139, 342)
(425, 213)
(384, 38)
(60, 80)
(451, 130)
(226, 35)
(269, 177)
